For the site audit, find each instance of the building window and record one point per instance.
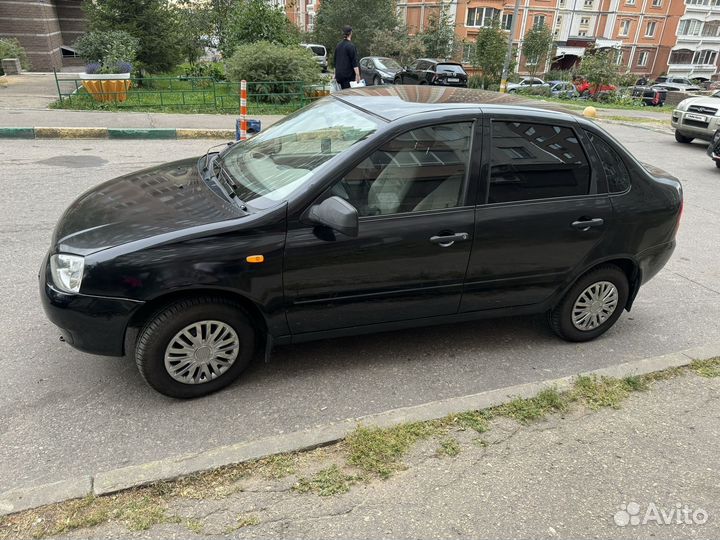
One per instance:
(538, 22)
(681, 56)
(624, 27)
(589, 3)
(711, 29)
(507, 21)
(690, 27)
(482, 16)
(643, 59)
(629, 2)
(582, 33)
(561, 3)
(657, 3)
(468, 53)
(584, 21)
(705, 57)
(696, 2)
(650, 30)
(619, 58)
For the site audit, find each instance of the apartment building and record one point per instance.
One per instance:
(45, 28)
(695, 54)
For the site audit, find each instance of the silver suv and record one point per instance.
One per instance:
(319, 52)
(696, 118)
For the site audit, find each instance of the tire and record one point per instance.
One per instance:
(717, 164)
(679, 137)
(561, 316)
(397, 80)
(216, 315)
(376, 81)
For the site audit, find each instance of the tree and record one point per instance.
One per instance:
(536, 48)
(251, 21)
(599, 68)
(398, 44)
(439, 37)
(490, 51)
(194, 21)
(153, 22)
(365, 16)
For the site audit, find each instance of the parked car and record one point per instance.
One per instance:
(713, 149)
(435, 72)
(377, 70)
(563, 89)
(696, 118)
(320, 54)
(527, 82)
(586, 89)
(653, 96)
(373, 209)
(677, 84)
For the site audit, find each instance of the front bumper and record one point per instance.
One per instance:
(92, 324)
(697, 125)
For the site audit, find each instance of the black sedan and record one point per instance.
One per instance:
(377, 70)
(435, 72)
(373, 209)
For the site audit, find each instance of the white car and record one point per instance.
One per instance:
(319, 52)
(677, 84)
(527, 82)
(696, 118)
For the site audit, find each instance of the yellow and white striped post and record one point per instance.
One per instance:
(243, 110)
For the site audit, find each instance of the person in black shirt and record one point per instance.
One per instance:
(346, 60)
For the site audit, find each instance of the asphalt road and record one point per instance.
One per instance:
(65, 413)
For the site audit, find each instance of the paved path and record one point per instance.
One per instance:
(64, 413)
(565, 477)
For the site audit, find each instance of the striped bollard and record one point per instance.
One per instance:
(243, 110)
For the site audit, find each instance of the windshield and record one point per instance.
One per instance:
(450, 68)
(269, 167)
(387, 64)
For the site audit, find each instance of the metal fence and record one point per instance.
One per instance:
(183, 93)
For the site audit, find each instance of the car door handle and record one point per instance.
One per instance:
(449, 239)
(584, 225)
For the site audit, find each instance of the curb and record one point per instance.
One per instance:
(106, 482)
(113, 133)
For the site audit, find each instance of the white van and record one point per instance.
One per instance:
(320, 53)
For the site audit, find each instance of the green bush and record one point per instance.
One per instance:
(559, 75)
(534, 91)
(269, 63)
(475, 81)
(11, 48)
(216, 70)
(628, 79)
(107, 48)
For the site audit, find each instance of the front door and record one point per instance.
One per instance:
(415, 234)
(545, 214)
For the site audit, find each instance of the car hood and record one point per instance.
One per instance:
(708, 101)
(140, 205)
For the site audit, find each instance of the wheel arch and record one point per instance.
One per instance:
(629, 267)
(143, 315)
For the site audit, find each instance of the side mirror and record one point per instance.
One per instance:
(336, 213)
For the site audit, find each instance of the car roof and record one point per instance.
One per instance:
(392, 102)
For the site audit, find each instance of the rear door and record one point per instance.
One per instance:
(544, 213)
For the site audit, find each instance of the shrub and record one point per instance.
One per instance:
(559, 75)
(269, 63)
(11, 48)
(216, 70)
(535, 91)
(475, 81)
(114, 50)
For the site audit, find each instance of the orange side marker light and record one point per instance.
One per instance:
(254, 259)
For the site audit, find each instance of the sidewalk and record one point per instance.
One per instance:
(642, 463)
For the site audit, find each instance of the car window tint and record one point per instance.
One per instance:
(422, 64)
(617, 174)
(450, 68)
(423, 169)
(536, 161)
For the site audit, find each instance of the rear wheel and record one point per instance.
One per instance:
(194, 347)
(397, 80)
(717, 164)
(679, 137)
(592, 305)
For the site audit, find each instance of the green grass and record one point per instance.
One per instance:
(707, 368)
(378, 450)
(449, 446)
(526, 410)
(582, 103)
(475, 420)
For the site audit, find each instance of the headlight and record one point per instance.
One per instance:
(683, 105)
(67, 272)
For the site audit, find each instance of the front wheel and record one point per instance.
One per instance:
(376, 81)
(717, 164)
(592, 305)
(397, 80)
(679, 137)
(194, 347)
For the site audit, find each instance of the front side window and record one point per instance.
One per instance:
(536, 161)
(423, 169)
(616, 172)
(271, 166)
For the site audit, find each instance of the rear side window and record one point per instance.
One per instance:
(617, 174)
(319, 51)
(536, 161)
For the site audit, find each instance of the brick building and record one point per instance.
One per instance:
(45, 28)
